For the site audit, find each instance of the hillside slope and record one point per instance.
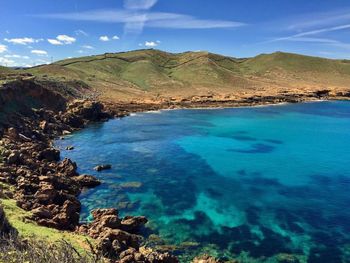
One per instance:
(153, 73)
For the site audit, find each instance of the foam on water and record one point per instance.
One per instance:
(255, 184)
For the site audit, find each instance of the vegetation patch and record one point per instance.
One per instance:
(13, 250)
(26, 228)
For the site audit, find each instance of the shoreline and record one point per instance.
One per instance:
(234, 107)
(112, 111)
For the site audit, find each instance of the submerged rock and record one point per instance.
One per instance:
(102, 167)
(205, 259)
(86, 180)
(131, 185)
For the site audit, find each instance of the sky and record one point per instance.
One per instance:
(34, 32)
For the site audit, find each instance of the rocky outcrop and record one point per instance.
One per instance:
(119, 239)
(46, 186)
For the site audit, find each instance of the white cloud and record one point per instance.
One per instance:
(115, 38)
(104, 38)
(62, 40)
(151, 44)
(54, 42)
(66, 39)
(39, 52)
(3, 48)
(139, 4)
(80, 32)
(23, 41)
(16, 56)
(80, 51)
(87, 47)
(6, 62)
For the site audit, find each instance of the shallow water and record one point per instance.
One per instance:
(259, 184)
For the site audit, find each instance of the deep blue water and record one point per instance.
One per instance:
(251, 183)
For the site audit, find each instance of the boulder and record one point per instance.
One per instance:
(41, 212)
(44, 125)
(14, 158)
(49, 154)
(132, 224)
(85, 180)
(102, 167)
(73, 120)
(46, 194)
(67, 167)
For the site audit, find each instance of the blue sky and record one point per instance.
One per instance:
(35, 32)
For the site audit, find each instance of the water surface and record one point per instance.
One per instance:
(260, 184)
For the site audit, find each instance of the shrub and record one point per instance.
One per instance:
(31, 250)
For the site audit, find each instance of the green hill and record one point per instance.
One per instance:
(152, 73)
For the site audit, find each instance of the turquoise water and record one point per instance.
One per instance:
(259, 184)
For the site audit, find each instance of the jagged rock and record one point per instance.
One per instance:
(46, 194)
(67, 167)
(41, 212)
(157, 257)
(102, 167)
(132, 224)
(49, 154)
(44, 125)
(69, 216)
(85, 180)
(73, 120)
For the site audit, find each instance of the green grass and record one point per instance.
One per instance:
(17, 217)
(191, 72)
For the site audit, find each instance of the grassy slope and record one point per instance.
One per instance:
(27, 228)
(135, 73)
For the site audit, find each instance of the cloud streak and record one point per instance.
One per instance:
(135, 21)
(39, 52)
(22, 41)
(139, 4)
(305, 36)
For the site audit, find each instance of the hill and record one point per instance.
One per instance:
(154, 73)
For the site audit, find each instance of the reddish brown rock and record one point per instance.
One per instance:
(85, 180)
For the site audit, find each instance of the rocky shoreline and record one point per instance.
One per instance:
(49, 187)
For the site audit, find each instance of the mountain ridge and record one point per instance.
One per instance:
(151, 73)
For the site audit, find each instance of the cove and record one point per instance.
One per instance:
(259, 184)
